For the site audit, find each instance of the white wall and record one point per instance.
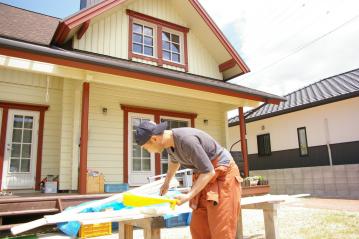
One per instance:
(342, 116)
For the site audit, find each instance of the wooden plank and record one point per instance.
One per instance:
(149, 188)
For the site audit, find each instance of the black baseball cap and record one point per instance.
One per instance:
(148, 128)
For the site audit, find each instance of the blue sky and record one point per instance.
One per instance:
(55, 8)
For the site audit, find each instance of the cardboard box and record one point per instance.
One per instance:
(95, 184)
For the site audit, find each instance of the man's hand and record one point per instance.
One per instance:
(182, 198)
(164, 188)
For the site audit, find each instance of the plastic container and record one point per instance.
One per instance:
(50, 187)
(183, 219)
(116, 187)
(95, 230)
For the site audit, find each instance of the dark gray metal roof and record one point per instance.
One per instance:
(335, 88)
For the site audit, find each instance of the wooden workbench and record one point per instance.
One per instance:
(269, 204)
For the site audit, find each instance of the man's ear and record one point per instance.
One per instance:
(155, 138)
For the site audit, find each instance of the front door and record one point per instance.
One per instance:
(141, 164)
(20, 150)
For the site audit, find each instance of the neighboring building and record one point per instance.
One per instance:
(310, 143)
(73, 91)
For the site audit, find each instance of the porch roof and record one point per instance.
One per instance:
(121, 67)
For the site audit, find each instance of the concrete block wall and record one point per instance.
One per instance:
(338, 181)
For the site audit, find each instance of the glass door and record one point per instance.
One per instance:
(21, 150)
(171, 124)
(141, 162)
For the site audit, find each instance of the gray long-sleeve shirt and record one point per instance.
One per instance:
(195, 149)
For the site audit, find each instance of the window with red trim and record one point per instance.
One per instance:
(157, 40)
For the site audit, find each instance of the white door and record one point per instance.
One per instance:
(20, 150)
(141, 164)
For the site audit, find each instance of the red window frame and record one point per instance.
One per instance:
(160, 24)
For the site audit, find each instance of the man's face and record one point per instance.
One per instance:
(154, 144)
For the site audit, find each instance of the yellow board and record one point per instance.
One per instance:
(135, 200)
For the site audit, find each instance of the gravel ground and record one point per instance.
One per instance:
(305, 219)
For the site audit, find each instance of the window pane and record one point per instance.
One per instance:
(149, 41)
(145, 153)
(28, 122)
(136, 151)
(165, 36)
(175, 38)
(148, 31)
(303, 142)
(136, 164)
(146, 166)
(14, 165)
(18, 121)
(137, 28)
(135, 123)
(26, 151)
(137, 38)
(175, 48)
(148, 51)
(183, 124)
(175, 57)
(25, 165)
(263, 142)
(16, 135)
(137, 48)
(27, 136)
(166, 55)
(164, 167)
(164, 154)
(166, 45)
(15, 150)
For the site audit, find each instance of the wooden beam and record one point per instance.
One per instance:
(83, 29)
(242, 130)
(84, 137)
(227, 65)
(39, 150)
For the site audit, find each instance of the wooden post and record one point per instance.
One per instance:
(242, 130)
(5, 112)
(271, 222)
(84, 137)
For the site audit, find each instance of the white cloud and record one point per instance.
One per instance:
(266, 31)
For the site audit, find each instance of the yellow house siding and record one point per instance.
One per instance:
(200, 61)
(19, 86)
(70, 134)
(105, 152)
(108, 35)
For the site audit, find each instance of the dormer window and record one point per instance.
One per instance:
(142, 39)
(158, 41)
(171, 47)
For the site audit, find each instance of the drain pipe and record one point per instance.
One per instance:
(327, 136)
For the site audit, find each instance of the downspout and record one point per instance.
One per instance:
(327, 137)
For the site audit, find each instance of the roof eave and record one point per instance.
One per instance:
(71, 59)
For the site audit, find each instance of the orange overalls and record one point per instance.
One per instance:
(216, 207)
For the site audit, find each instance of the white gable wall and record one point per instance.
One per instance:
(342, 119)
